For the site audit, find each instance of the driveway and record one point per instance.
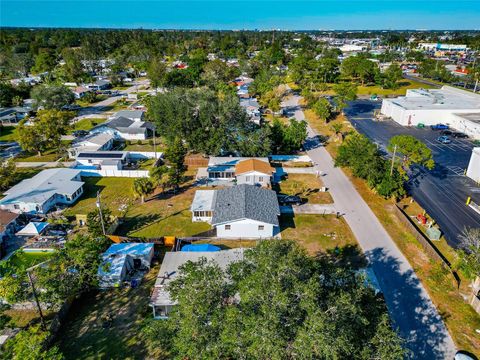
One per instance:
(443, 191)
(409, 305)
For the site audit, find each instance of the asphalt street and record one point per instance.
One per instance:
(443, 191)
(409, 305)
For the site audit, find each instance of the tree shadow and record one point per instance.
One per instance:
(348, 256)
(287, 221)
(410, 308)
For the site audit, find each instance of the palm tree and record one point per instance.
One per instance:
(143, 187)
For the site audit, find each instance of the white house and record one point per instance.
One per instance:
(125, 128)
(45, 190)
(245, 170)
(457, 108)
(160, 301)
(473, 170)
(102, 159)
(242, 211)
(92, 142)
(135, 115)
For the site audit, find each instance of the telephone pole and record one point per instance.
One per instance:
(393, 159)
(34, 292)
(99, 206)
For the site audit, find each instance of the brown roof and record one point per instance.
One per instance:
(6, 217)
(253, 165)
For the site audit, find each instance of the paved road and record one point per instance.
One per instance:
(441, 192)
(422, 80)
(409, 305)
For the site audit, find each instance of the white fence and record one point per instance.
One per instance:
(114, 173)
(144, 155)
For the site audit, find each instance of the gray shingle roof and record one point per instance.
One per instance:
(246, 202)
(119, 122)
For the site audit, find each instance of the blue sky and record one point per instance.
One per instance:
(247, 14)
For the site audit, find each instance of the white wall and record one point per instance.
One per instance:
(254, 178)
(245, 229)
(473, 170)
(114, 173)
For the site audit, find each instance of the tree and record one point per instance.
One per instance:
(45, 61)
(413, 150)
(8, 173)
(391, 77)
(143, 187)
(175, 156)
(276, 303)
(30, 344)
(94, 221)
(323, 109)
(345, 92)
(288, 138)
(52, 97)
(217, 71)
(72, 70)
(470, 252)
(45, 132)
(156, 72)
(7, 93)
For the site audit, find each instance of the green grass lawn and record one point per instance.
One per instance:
(402, 90)
(84, 335)
(7, 133)
(21, 260)
(317, 233)
(307, 186)
(47, 156)
(86, 124)
(115, 192)
(144, 145)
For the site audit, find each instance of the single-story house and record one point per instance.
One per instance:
(245, 170)
(12, 115)
(42, 192)
(252, 109)
(99, 85)
(160, 301)
(121, 259)
(135, 115)
(125, 128)
(92, 142)
(242, 211)
(102, 159)
(80, 91)
(8, 223)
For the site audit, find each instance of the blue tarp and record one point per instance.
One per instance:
(200, 248)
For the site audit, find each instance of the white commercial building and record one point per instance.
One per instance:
(473, 170)
(460, 109)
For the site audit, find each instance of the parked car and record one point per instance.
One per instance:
(444, 139)
(447, 132)
(289, 200)
(459, 135)
(79, 133)
(439, 127)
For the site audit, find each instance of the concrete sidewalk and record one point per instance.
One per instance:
(409, 305)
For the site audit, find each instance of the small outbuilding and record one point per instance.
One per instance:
(122, 261)
(33, 229)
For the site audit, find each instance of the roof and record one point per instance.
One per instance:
(120, 121)
(43, 186)
(33, 229)
(219, 163)
(112, 265)
(173, 260)
(99, 155)
(446, 98)
(200, 248)
(133, 249)
(129, 114)
(203, 200)
(249, 165)
(473, 117)
(6, 217)
(98, 139)
(246, 202)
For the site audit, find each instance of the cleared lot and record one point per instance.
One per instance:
(443, 191)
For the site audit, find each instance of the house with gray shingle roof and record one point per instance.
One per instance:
(242, 211)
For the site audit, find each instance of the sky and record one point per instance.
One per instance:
(246, 14)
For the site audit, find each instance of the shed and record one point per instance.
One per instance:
(33, 229)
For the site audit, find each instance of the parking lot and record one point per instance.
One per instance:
(443, 191)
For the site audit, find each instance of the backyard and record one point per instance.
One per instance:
(87, 334)
(21, 260)
(306, 186)
(7, 133)
(86, 124)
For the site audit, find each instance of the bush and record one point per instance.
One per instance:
(150, 142)
(139, 142)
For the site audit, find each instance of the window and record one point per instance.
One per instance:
(260, 179)
(16, 206)
(228, 227)
(247, 178)
(261, 227)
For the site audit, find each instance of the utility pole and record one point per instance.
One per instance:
(154, 142)
(35, 296)
(99, 206)
(393, 159)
